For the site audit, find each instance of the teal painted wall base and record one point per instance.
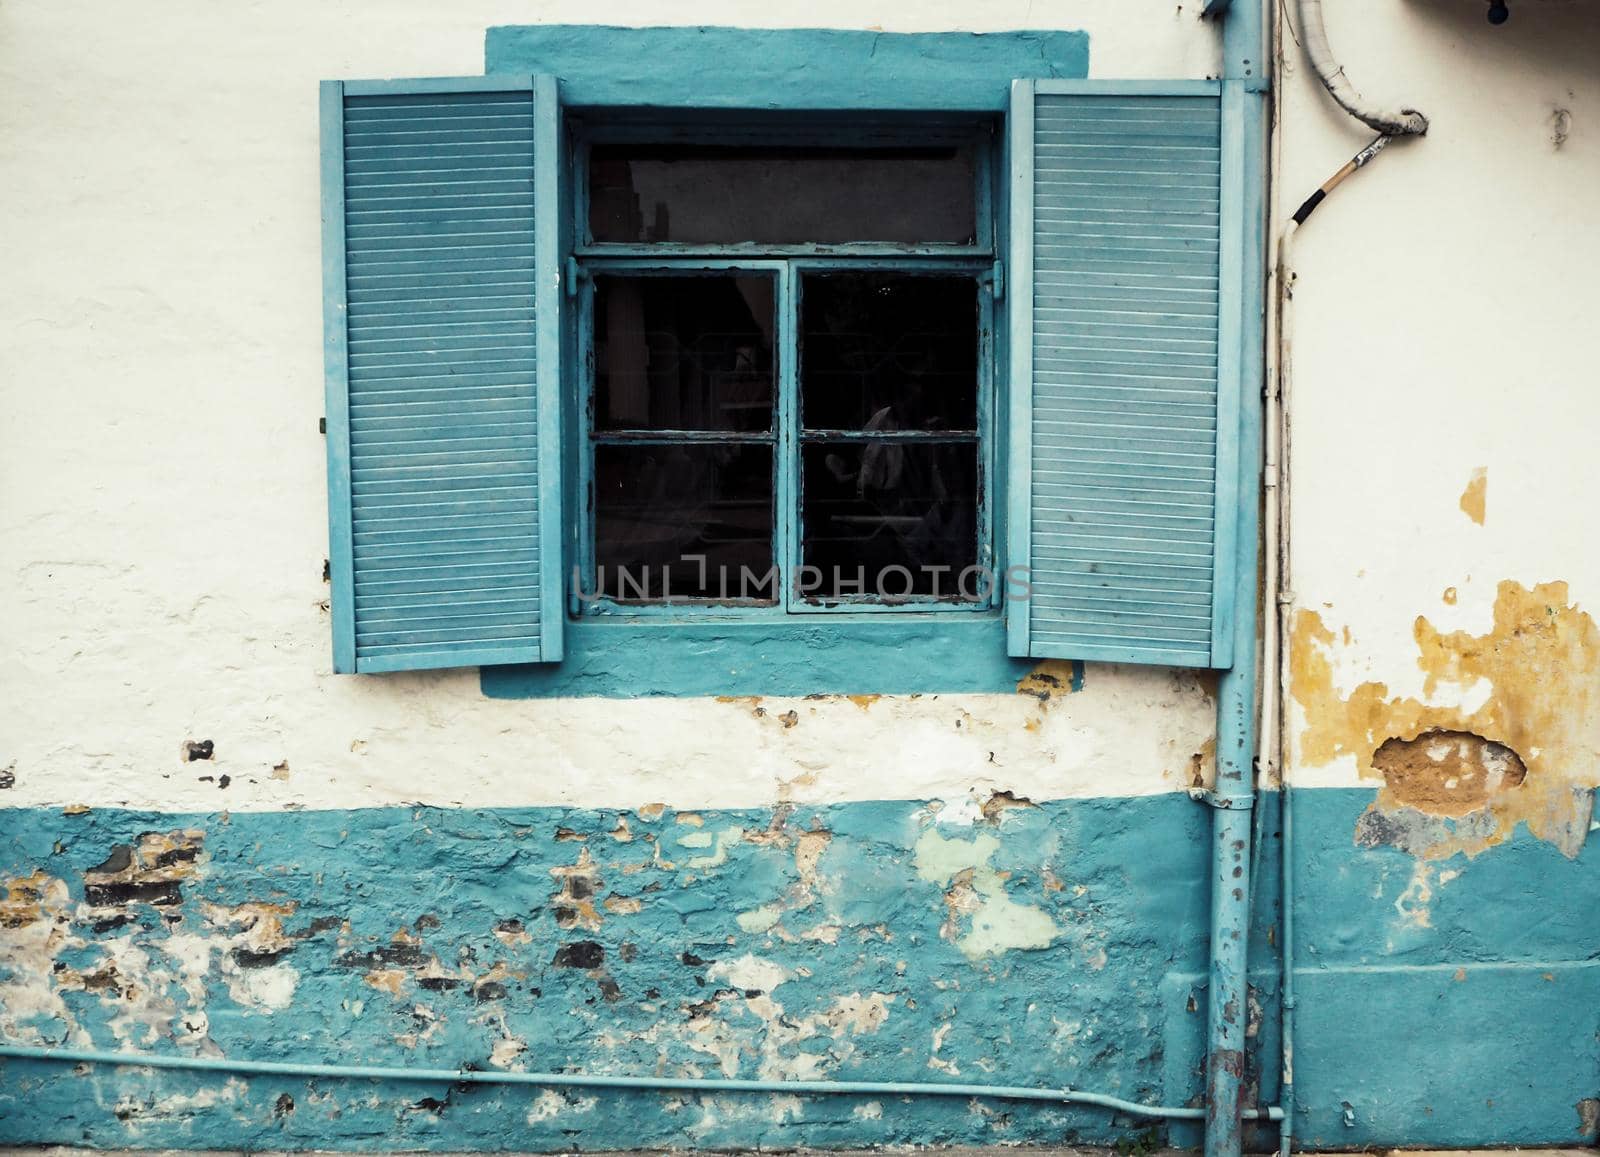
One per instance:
(1049, 946)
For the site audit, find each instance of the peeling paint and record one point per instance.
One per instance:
(717, 842)
(1474, 499)
(1450, 775)
(573, 903)
(1588, 1117)
(995, 807)
(36, 917)
(1051, 679)
(887, 939)
(1447, 772)
(983, 919)
(812, 948)
(749, 972)
(152, 871)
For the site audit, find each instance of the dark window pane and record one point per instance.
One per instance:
(683, 353)
(657, 506)
(879, 517)
(888, 351)
(717, 195)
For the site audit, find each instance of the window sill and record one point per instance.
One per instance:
(622, 658)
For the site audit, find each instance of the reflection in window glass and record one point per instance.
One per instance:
(890, 519)
(888, 351)
(683, 353)
(683, 520)
(723, 195)
(895, 517)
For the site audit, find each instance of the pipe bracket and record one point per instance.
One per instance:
(1226, 802)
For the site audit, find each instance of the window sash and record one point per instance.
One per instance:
(787, 436)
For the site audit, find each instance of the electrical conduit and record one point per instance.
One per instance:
(1279, 595)
(583, 1081)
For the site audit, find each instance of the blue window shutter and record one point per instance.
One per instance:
(440, 239)
(1123, 483)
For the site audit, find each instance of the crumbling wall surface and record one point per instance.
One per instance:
(1009, 944)
(212, 846)
(1457, 893)
(1444, 708)
(1450, 1002)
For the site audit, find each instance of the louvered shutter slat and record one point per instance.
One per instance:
(443, 376)
(1123, 408)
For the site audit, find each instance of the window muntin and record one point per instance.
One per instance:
(875, 381)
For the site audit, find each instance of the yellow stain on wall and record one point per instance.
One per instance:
(1475, 498)
(1541, 663)
(1047, 681)
(28, 899)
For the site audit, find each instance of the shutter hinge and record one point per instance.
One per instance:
(575, 275)
(322, 424)
(997, 279)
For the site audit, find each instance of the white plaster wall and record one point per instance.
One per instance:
(162, 482)
(1445, 321)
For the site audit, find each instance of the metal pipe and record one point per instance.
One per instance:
(1275, 656)
(583, 1081)
(1286, 999)
(1280, 599)
(1226, 995)
(1246, 71)
(1406, 122)
(1274, 667)
(1275, 513)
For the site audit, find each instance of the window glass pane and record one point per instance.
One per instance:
(657, 506)
(683, 353)
(710, 194)
(888, 351)
(880, 517)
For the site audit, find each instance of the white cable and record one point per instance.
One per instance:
(1407, 122)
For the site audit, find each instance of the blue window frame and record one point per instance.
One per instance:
(790, 576)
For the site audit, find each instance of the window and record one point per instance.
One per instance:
(787, 356)
(614, 366)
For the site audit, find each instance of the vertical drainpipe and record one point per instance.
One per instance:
(1246, 71)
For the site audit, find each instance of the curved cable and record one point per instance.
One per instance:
(1406, 122)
